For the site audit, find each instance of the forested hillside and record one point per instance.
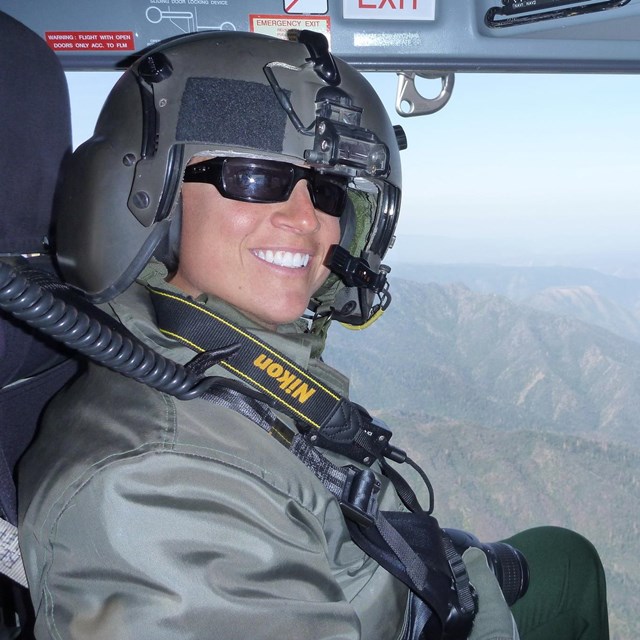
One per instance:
(495, 483)
(448, 352)
(520, 418)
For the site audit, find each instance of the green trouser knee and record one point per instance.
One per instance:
(567, 597)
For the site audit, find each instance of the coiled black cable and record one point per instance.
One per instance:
(50, 306)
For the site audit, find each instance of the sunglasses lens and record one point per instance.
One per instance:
(255, 182)
(328, 196)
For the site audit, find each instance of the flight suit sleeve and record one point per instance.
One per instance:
(167, 545)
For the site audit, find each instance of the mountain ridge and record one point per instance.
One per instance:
(457, 354)
(586, 304)
(520, 282)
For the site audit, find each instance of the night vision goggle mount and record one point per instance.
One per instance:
(340, 140)
(343, 146)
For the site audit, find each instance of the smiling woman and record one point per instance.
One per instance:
(265, 259)
(518, 169)
(200, 504)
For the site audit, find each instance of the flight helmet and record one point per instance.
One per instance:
(230, 94)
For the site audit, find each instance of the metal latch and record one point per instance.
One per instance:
(409, 101)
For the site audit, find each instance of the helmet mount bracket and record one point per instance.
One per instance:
(323, 63)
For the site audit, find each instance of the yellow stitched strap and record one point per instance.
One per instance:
(256, 362)
(358, 327)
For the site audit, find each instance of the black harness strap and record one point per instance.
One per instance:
(259, 364)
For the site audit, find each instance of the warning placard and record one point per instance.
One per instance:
(90, 40)
(281, 26)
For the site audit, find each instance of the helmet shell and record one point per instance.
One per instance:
(196, 94)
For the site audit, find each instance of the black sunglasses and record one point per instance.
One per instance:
(269, 181)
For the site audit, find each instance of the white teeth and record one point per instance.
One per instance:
(284, 258)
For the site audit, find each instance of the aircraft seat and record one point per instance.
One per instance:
(35, 138)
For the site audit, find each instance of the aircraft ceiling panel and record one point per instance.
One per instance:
(390, 35)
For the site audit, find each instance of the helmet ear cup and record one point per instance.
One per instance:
(98, 238)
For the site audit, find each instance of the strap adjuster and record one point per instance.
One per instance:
(351, 431)
(359, 500)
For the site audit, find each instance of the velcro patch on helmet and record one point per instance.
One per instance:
(231, 112)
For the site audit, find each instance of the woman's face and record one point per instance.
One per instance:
(265, 259)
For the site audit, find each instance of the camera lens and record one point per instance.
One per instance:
(510, 568)
(507, 563)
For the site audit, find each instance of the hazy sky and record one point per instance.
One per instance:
(525, 155)
(545, 158)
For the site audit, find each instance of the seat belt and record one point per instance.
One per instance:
(410, 545)
(429, 565)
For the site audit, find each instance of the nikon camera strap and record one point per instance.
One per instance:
(410, 545)
(334, 422)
